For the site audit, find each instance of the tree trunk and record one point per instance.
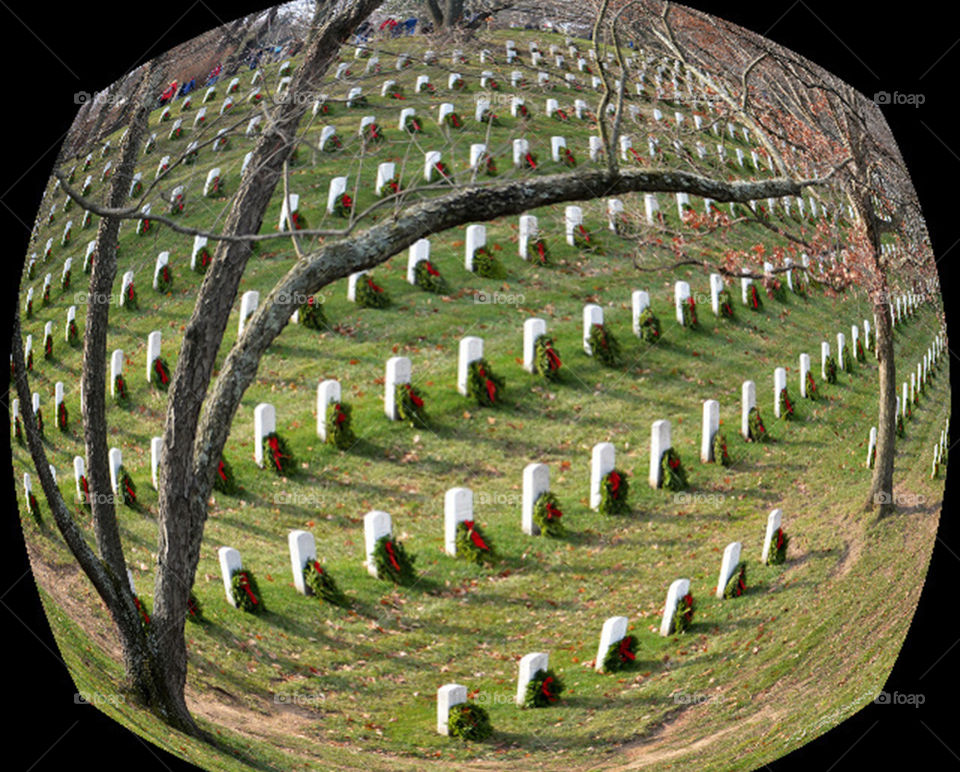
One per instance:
(881, 488)
(182, 496)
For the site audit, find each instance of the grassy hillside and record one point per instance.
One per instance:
(309, 685)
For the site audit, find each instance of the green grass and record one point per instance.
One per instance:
(810, 643)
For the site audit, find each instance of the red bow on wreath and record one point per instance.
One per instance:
(474, 536)
(316, 567)
(552, 357)
(529, 159)
(545, 688)
(140, 608)
(430, 269)
(346, 201)
(245, 585)
(491, 386)
(130, 493)
(278, 457)
(130, 291)
(393, 560)
(414, 397)
(779, 538)
(161, 371)
(688, 605)
(541, 251)
(373, 286)
(614, 483)
(221, 470)
(340, 415)
(553, 512)
(583, 232)
(624, 650)
(673, 463)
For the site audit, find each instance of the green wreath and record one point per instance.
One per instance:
(737, 583)
(604, 346)
(164, 279)
(811, 387)
(392, 561)
(312, 316)
(547, 514)
(847, 360)
(688, 311)
(202, 261)
(224, 480)
(546, 361)
(473, 544)
(720, 453)
(901, 432)
(649, 326)
(753, 298)
(371, 295)
(35, 510)
(339, 423)
(65, 281)
(73, 334)
(799, 286)
(483, 385)
(725, 303)
(786, 406)
(614, 494)
(543, 689)
(683, 616)
(63, 418)
(469, 721)
(277, 455)
(160, 374)
(409, 404)
(831, 367)
(130, 298)
(126, 488)
(673, 475)
(861, 354)
(323, 585)
(487, 266)
(194, 609)
(777, 290)
(583, 241)
(539, 251)
(620, 655)
(777, 552)
(246, 592)
(427, 277)
(756, 431)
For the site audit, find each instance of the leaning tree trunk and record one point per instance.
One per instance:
(182, 496)
(881, 489)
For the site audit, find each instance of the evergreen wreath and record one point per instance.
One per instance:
(483, 385)
(649, 326)
(861, 354)
(48, 347)
(620, 655)
(753, 298)
(339, 422)
(120, 394)
(776, 290)
(38, 415)
(757, 432)
(543, 689)
(277, 455)
(160, 374)
(224, 480)
(831, 368)
(332, 144)
(737, 583)
(786, 406)
(720, 453)
(65, 281)
(546, 361)
(246, 592)
(392, 561)
(35, 509)
(725, 303)
(539, 251)
(323, 585)
(901, 432)
(409, 404)
(673, 475)
(312, 316)
(194, 609)
(688, 311)
(63, 418)
(164, 279)
(453, 120)
(547, 514)
(202, 261)
(130, 298)
(604, 346)
(18, 432)
(614, 494)
(487, 266)
(799, 286)
(777, 552)
(473, 544)
(427, 277)
(469, 721)
(683, 616)
(126, 488)
(73, 334)
(847, 360)
(370, 294)
(343, 205)
(811, 387)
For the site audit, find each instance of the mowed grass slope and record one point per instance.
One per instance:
(307, 684)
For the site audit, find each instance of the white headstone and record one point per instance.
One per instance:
(677, 591)
(748, 400)
(303, 549)
(328, 392)
(774, 520)
(592, 314)
(528, 233)
(659, 444)
(448, 695)
(602, 462)
(457, 507)
(398, 371)
(731, 558)
(640, 301)
(264, 423)
(779, 384)
(710, 426)
(613, 631)
(536, 481)
(376, 525)
(476, 238)
(419, 250)
(530, 665)
(248, 304)
(230, 563)
(471, 349)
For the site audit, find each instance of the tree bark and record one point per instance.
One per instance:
(881, 488)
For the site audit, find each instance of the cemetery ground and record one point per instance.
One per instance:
(307, 684)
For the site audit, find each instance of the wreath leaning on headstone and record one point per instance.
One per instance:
(35, 509)
(278, 456)
(339, 421)
(777, 552)
(725, 304)
(487, 266)
(164, 279)
(649, 326)
(786, 406)
(473, 544)
(483, 385)
(392, 561)
(547, 514)
(246, 592)
(620, 654)
(469, 721)
(160, 374)
(543, 689)
(831, 367)
(312, 315)
(410, 406)
(427, 277)
(604, 346)
(370, 294)
(224, 480)
(720, 452)
(683, 616)
(614, 493)
(737, 583)
(673, 475)
(323, 585)
(126, 488)
(546, 360)
(756, 431)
